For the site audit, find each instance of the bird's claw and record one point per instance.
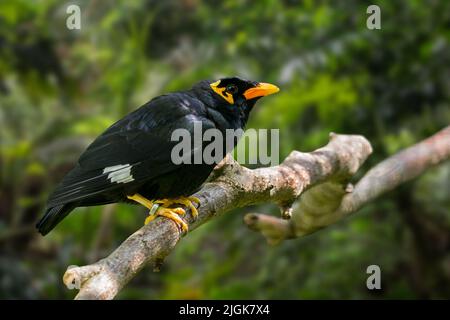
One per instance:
(186, 201)
(162, 208)
(171, 213)
(149, 219)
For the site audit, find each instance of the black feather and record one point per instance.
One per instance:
(53, 216)
(141, 141)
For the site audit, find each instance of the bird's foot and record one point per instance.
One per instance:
(171, 213)
(162, 208)
(186, 201)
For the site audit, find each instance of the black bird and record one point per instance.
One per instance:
(131, 160)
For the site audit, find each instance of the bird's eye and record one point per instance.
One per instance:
(231, 88)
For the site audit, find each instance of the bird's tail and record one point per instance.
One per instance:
(53, 216)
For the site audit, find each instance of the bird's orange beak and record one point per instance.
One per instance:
(261, 90)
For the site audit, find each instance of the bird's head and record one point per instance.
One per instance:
(237, 91)
(233, 97)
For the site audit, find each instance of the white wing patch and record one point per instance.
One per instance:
(120, 173)
(185, 103)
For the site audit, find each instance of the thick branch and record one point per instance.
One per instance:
(231, 186)
(329, 202)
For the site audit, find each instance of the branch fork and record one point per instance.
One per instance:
(312, 190)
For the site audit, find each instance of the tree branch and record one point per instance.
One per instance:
(231, 186)
(329, 202)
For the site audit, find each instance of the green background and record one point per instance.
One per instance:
(60, 88)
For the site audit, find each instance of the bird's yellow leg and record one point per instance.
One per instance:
(142, 200)
(146, 203)
(161, 210)
(186, 201)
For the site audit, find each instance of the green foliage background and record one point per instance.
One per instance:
(59, 88)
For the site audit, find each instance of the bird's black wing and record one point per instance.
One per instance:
(133, 150)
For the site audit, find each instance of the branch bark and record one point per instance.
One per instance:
(321, 177)
(329, 202)
(231, 186)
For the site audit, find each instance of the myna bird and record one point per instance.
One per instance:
(131, 160)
